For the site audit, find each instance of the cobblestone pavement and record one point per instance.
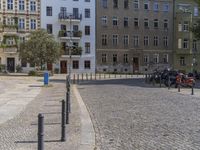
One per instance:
(20, 133)
(130, 115)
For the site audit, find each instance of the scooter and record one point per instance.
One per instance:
(184, 81)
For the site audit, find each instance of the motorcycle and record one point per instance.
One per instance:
(184, 81)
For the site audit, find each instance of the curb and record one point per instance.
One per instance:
(87, 141)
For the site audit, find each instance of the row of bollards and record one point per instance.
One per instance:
(149, 78)
(89, 76)
(65, 110)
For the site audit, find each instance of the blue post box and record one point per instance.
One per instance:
(46, 78)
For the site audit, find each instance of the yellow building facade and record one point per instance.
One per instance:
(17, 19)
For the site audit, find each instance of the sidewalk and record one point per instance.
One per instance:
(20, 133)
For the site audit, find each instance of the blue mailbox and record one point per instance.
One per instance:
(46, 78)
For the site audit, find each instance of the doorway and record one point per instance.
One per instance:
(63, 66)
(135, 64)
(11, 64)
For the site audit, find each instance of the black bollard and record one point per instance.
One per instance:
(95, 77)
(160, 81)
(86, 76)
(145, 78)
(66, 81)
(40, 132)
(153, 81)
(63, 119)
(78, 78)
(179, 88)
(104, 75)
(74, 79)
(82, 76)
(126, 75)
(115, 75)
(192, 88)
(109, 76)
(90, 76)
(169, 82)
(67, 108)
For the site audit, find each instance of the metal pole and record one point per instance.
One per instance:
(78, 78)
(160, 81)
(179, 88)
(109, 76)
(67, 108)
(86, 76)
(90, 76)
(104, 75)
(40, 132)
(82, 76)
(95, 76)
(74, 79)
(169, 82)
(63, 119)
(192, 88)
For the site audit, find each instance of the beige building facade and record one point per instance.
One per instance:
(17, 19)
(133, 35)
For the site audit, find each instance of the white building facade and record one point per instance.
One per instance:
(72, 22)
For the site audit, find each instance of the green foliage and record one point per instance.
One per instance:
(32, 73)
(2, 68)
(40, 49)
(76, 51)
(19, 68)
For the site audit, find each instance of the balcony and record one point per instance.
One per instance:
(9, 29)
(65, 35)
(67, 17)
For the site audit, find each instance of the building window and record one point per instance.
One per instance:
(104, 3)
(155, 23)
(125, 58)
(186, 26)
(126, 4)
(182, 61)
(155, 6)
(165, 58)
(155, 58)
(87, 64)
(126, 40)
(115, 21)
(165, 24)
(103, 58)
(50, 28)
(21, 5)
(194, 45)
(146, 4)
(196, 11)
(104, 39)
(75, 64)
(155, 41)
(21, 23)
(115, 39)
(33, 24)
(32, 6)
(104, 21)
(146, 40)
(125, 21)
(87, 48)
(136, 22)
(185, 43)
(136, 41)
(87, 30)
(87, 13)
(146, 58)
(146, 23)
(165, 41)
(179, 43)
(114, 58)
(49, 11)
(136, 4)
(10, 4)
(115, 3)
(166, 7)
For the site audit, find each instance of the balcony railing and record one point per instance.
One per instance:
(63, 33)
(10, 49)
(68, 16)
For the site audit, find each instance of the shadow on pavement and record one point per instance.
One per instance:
(28, 142)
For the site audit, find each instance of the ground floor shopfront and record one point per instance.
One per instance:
(132, 61)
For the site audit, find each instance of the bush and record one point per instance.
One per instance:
(19, 68)
(32, 73)
(2, 68)
(56, 70)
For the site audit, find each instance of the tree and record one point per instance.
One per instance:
(40, 48)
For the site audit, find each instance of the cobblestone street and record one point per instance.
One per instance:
(130, 115)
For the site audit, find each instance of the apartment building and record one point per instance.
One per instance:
(72, 23)
(133, 35)
(17, 19)
(186, 47)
